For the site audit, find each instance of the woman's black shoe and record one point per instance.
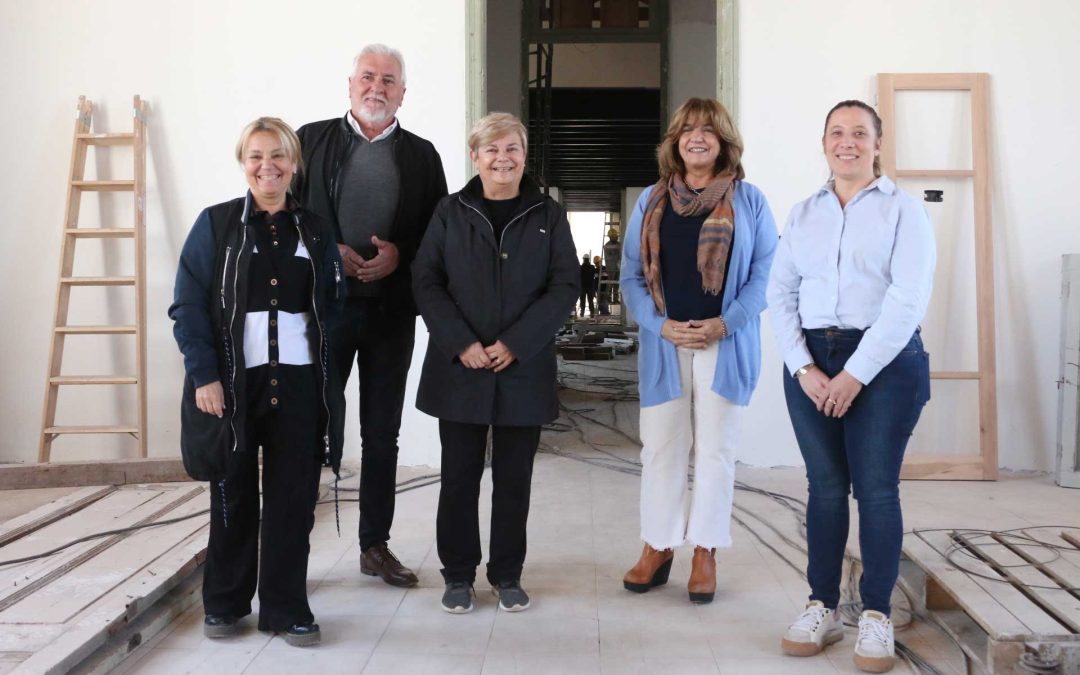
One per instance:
(303, 635)
(219, 626)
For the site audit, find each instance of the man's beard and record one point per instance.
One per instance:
(375, 117)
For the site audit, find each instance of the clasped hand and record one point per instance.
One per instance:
(382, 265)
(832, 397)
(496, 357)
(693, 334)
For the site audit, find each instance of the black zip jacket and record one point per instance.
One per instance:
(209, 307)
(471, 286)
(325, 146)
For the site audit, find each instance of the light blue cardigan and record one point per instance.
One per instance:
(738, 362)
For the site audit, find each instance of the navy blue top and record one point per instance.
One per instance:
(683, 294)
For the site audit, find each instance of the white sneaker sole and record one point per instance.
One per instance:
(513, 608)
(792, 648)
(874, 664)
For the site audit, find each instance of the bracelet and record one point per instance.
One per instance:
(723, 327)
(804, 370)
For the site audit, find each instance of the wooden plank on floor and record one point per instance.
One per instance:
(51, 512)
(79, 588)
(129, 637)
(108, 616)
(1056, 602)
(121, 509)
(1061, 562)
(1002, 611)
(104, 472)
(26, 639)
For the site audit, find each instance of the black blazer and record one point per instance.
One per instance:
(325, 145)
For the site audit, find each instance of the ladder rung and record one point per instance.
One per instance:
(98, 281)
(107, 139)
(91, 429)
(100, 232)
(103, 185)
(96, 330)
(93, 379)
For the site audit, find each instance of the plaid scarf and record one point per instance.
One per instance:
(714, 242)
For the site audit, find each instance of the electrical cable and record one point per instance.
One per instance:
(404, 486)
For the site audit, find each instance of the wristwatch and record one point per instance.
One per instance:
(804, 370)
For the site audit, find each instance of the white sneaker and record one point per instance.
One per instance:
(875, 649)
(814, 629)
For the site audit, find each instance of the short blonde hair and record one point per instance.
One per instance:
(275, 126)
(701, 111)
(496, 125)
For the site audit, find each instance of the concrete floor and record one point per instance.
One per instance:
(583, 535)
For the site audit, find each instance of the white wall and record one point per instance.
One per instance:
(207, 68)
(797, 59)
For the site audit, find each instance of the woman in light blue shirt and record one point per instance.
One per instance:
(849, 285)
(695, 266)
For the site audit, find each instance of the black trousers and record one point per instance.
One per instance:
(591, 296)
(458, 521)
(235, 565)
(382, 346)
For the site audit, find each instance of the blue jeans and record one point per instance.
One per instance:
(862, 450)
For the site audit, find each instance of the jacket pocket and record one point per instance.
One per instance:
(204, 438)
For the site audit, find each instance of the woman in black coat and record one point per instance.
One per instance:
(258, 279)
(495, 278)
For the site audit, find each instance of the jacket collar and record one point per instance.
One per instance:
(350, 127)
(473, 193)
(291, 205)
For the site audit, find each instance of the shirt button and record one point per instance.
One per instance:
(273, 322)
(273, 343)
(273, 302)
(273, 364)
(273, 401)
(273, 282)
(275, 242)
(273, 382)
(505, 256)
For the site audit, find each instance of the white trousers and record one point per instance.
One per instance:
(709, 425)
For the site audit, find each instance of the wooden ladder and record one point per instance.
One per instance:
(73, 232)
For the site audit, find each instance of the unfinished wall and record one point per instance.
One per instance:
(797, 60)
(504, 55)
(206, 68)
(691, 51)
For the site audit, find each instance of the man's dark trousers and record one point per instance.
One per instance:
(381, 343)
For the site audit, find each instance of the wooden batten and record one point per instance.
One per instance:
(101, 472)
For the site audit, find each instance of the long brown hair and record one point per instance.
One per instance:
(707, 111)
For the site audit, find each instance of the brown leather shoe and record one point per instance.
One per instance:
(702, 585)
(651, 570)
(378, 561)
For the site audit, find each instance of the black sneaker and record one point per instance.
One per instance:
(512, 597)
(303, 635)
(458, 597)
(219, 626)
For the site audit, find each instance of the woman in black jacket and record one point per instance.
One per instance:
(258, 278)
(495, 278)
